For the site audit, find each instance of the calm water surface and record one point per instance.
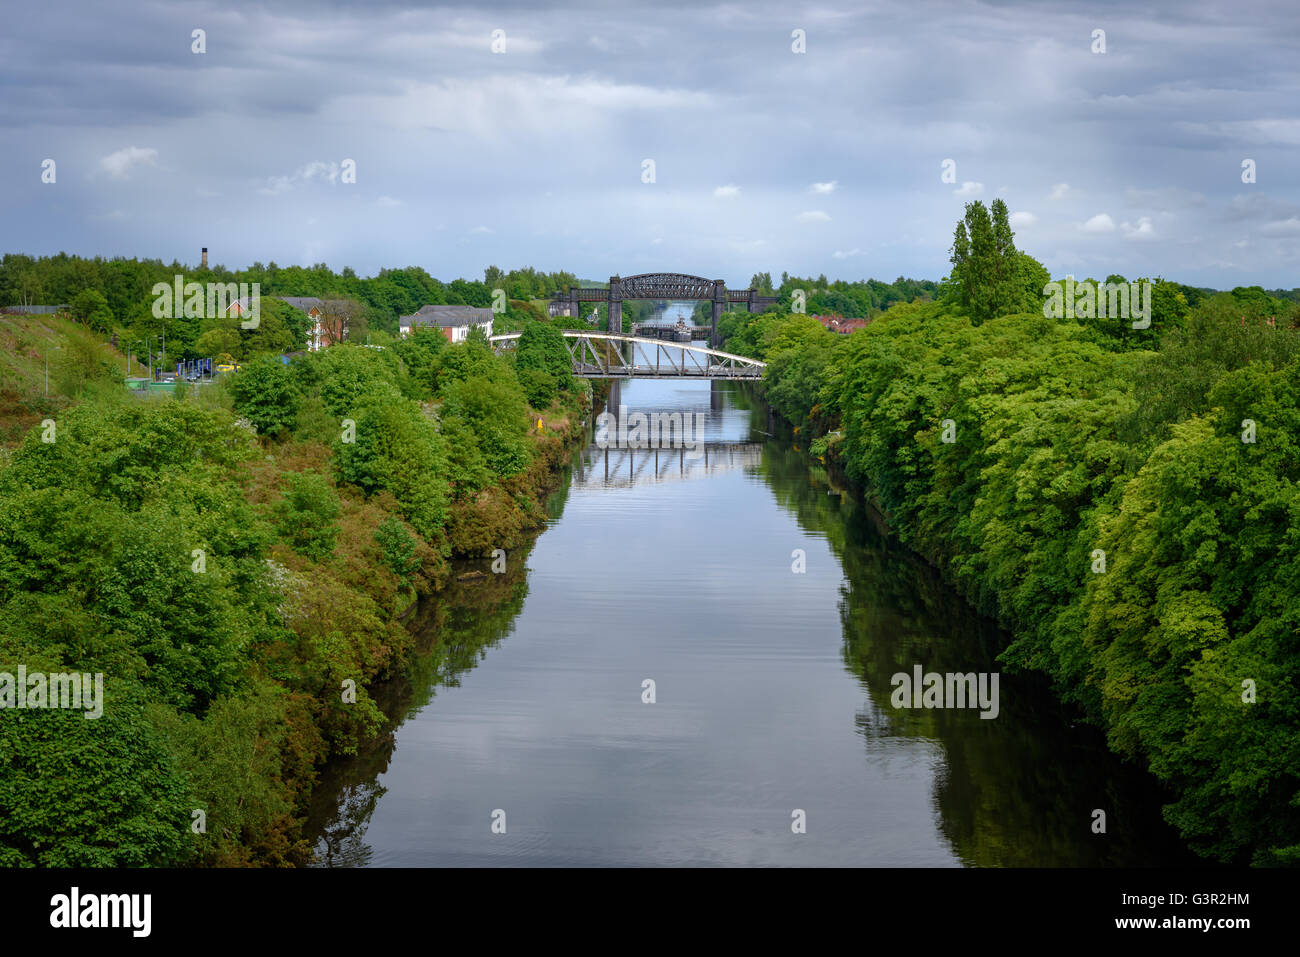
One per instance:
(772, 692)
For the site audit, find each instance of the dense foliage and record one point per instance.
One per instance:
(114, 296)
(233, 561)
(1014, 451)
(863, 299)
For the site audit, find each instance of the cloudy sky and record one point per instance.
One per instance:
(827, 161)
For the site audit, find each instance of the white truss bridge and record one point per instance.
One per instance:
(606, 355)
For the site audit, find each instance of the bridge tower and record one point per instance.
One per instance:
(615, 305)
(615, 397)
(719, 301)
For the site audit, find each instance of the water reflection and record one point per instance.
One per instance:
(773, 691)
(1016, 791)
(625, 467)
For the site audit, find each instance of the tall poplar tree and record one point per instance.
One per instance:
(990, 277)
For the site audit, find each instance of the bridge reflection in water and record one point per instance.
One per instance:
(626, 467)
(774, 691)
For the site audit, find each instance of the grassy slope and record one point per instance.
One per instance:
(25, 341)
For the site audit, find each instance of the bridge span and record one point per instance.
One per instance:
(666, 286)
(604, 355)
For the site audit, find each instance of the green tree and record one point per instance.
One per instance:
(264, 392)
(418, 354)
(540, 387)
(221, 340)
(352, 376)
(990, 277)
(92, 308)
(541, 347)
(99, 793)
(397, 449)
(306, 516)
(497, 413)
(397, 548)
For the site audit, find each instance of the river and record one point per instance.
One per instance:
(771, 739)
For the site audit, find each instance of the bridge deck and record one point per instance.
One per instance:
(600, 355)
(650, 372)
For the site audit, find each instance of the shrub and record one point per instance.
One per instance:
(306, 516)
(540, 387)
(265, 394)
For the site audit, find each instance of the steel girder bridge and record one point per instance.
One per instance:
(604, 355)
(665, 286)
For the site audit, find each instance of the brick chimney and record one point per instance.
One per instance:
(204, 263)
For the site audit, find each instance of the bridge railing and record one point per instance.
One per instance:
(601, 355)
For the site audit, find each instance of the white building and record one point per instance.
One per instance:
(454, 322)
(314, 308)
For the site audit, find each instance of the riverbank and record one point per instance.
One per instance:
(1106, 505)
(236, 562)
(771, 691)
(488, 535)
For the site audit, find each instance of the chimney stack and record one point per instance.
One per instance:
(204, 263)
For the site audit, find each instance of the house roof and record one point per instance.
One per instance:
(447, 316)
(304, 303)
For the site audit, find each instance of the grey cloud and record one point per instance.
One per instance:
(548, 139)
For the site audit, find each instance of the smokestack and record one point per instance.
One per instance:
(204, 263)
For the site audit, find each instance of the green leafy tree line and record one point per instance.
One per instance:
(229, 562)
(1128, 508)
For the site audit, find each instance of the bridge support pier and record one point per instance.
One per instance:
(719, 302)
(615, 397)
(615, 324)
